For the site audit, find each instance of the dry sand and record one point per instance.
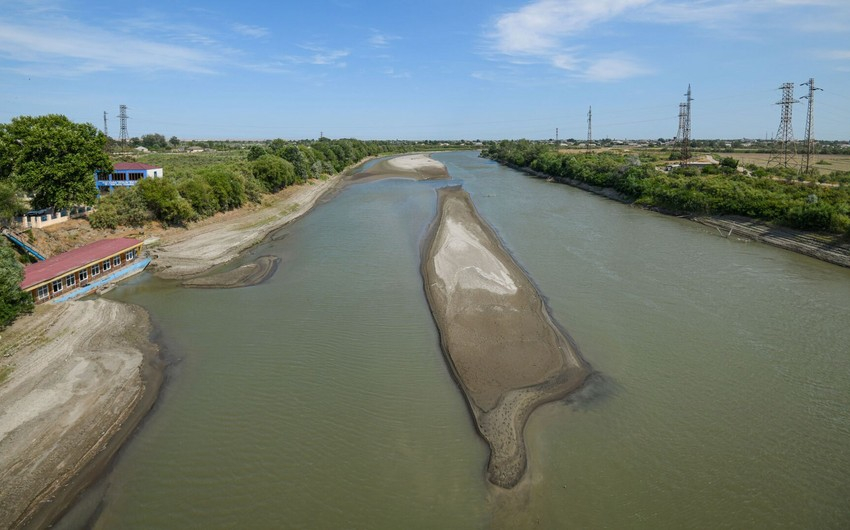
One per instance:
(505, 351)
(417, 167)
(80, 379)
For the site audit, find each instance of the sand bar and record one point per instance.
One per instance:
(253, 273)
(505, 351)
(81, 376)
(417, 167)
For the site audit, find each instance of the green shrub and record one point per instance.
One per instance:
(163, 199)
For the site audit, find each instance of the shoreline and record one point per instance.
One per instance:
(506, 353)
(30, 345)
(824, 247)
(84, 375)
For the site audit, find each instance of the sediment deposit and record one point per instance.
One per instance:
(505, 351)
(79, 377)
(416, 166)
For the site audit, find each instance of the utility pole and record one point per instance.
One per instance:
(105, 128)
(810, 121)
(784, 145)
(589, 130)
(123, 136)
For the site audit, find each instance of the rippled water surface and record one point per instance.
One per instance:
(320, 399)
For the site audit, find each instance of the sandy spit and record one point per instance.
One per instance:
(81, 375)
(253, 273)
(505, 351)
(416, 166)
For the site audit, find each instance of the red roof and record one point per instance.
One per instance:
(123, 166)
(61, 264)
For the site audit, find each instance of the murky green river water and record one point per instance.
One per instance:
(320, 399)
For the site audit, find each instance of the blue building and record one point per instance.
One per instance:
(124, 175)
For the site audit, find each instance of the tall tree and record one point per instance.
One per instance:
(13, 301)
(53, 159)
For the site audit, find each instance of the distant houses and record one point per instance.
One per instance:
(125, 174)
(79, 271)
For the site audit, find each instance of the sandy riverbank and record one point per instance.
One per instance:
(504, 350)
(77, 377)
(195, 250)
(80, 375)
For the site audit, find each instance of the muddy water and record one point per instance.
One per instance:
(320, 399)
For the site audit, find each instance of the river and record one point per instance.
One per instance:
(320, 399)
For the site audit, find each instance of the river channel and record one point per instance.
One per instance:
(320, 399)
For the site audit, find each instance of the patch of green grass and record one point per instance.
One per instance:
(4, 373)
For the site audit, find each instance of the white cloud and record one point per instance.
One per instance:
(250, 31)
(320, 56)
(391, 72)
(608, 69)
(552, 31)
(381, 40)
(836, 55)
(540, 26)
(64, 43)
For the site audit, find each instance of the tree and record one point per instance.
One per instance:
(10, 203)
(13, 301)
(154, 141)
(174, 141)
(53, 159)
(273, 171)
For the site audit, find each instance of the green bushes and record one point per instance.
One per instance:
(165, 202)
(273, 172)
(122, 207)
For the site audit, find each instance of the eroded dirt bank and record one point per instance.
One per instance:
(81, 375)
(505, 351)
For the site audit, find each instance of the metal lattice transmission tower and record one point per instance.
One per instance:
(122, 117)
(680, 133)
(589, 130)
(810, 122)
(686, 131)
(784, 147)
(105, 127)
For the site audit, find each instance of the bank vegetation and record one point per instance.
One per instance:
(714, 190)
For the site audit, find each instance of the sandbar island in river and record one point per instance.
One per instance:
(504, 349)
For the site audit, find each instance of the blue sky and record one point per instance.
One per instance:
(427, 70)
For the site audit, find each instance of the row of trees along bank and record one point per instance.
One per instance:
(711, 191)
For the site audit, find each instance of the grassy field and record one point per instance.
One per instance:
(824, 164)
(180, 162)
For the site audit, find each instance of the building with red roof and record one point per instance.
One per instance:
(125, 174)
(78, 268)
